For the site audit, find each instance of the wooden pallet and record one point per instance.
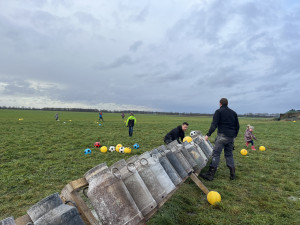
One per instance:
(70, 193)
(23, 220)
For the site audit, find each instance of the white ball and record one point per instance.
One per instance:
(193, 133)
(121, 150)
(112, 148)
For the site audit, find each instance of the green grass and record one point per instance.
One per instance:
(39, 156)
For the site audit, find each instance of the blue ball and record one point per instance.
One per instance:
(87, 151)
(136, 146)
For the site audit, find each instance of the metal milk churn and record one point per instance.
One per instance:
(144, 169)
(204, 145)
(188, 156)
(176, 164)
(8, 221)
(170, 170)
(52, 211)
(159, 172)
(110, 197)
(197, 154)
(185, 164)
(135, 185)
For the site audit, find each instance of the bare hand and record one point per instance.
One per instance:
(206, 138)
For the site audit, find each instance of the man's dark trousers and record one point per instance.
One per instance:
(223, 142)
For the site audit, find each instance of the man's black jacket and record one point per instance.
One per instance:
(174, 134)
(226, 120)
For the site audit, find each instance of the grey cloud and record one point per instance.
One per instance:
(135, 46)
(118, 62)
(86, 18)
(213, 48)
(18, 88)
(141, 15)
(223, 77)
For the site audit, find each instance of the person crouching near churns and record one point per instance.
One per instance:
(176, 133)
(249, 136)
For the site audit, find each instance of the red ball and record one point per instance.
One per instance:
(97, 144)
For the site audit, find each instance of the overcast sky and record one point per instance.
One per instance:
(170, 55)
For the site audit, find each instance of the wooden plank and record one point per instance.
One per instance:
(69, 194)
(23, 220)
(199, 183)
(79, 183)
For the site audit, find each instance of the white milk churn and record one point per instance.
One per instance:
(176, 164)
(8, 221)
(185, 164)
(135, 185)
(166, 164)
(204, 145)
(197, 154)
(52, 211)
(144, 169)
(159, 172)
(110, 197)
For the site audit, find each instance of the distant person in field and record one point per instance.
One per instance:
(176, 133)
(226, 120)
(56, 117)
(123, 115)
(249, 136)
(130, 123)
(101, 116)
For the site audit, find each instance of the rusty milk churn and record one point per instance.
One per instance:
(176, 163)
(52, 211)
(197, 154)
(159, 172)
(144, 169)
(185, 164)
(8, 221)
(110, 197)
(135, 185)
(204, 145)
(170, 170)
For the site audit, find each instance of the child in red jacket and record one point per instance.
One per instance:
(249, 136)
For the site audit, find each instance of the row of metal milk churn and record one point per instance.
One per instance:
(127, 191)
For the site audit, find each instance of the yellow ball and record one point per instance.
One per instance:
(244, 152)
(103, 149)
(118, 147)
(188, 139)
(262, 148)
(213, 197)
(127, 150)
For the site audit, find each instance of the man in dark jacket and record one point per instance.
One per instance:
(176, 133)
(226, 120)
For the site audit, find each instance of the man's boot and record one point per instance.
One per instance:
(210, 174)
(232, 173)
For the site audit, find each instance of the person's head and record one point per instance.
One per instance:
(223, 101)
(131, 114)
(184, 126)
(250, 128)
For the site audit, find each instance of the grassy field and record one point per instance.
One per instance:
(39, 156)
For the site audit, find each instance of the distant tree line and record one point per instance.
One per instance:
(262, 115)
